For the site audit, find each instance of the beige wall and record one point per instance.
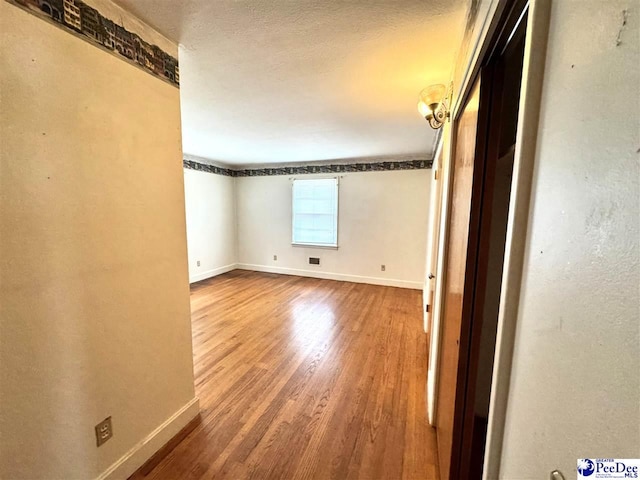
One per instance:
(382, 220)
(94, 298)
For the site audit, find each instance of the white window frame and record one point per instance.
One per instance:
(294, 243)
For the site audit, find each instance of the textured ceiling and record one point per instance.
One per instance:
(274, 81)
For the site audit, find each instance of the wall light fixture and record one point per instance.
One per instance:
(433, 105)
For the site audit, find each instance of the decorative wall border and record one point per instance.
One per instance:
(310, 169)
(204, 167)
(87, 23)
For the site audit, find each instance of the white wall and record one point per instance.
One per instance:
(211, 223)
(382, 220)
(575, 384)
(94, 293)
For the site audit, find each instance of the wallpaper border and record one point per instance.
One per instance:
(87, 23)
(204, 167)
(309, 169)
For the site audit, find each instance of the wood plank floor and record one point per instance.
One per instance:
(302, 378)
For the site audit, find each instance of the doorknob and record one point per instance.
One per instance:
(431, 276)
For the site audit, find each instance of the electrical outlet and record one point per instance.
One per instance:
(104, 431)
(198, 263)
(383, 268)
(275, 257)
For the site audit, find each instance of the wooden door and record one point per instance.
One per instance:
(459, 260)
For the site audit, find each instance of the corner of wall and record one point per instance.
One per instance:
(148, 446)
(236, 233)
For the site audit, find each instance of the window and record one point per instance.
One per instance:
(315, 212)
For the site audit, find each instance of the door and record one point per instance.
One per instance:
(461, 226)
(482, 163)
(434, 244)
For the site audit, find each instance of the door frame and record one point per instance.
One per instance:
(479, 88)
(515, 247)
(522, 181)
(509, 41)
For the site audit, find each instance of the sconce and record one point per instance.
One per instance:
(433, 105)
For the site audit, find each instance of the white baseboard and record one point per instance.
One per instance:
(153, 442)
(390, 282)
(212, 273)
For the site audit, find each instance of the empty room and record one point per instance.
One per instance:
(367, 239)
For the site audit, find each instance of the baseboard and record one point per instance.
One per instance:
(145, 449)
(212, 273)
(389, 282)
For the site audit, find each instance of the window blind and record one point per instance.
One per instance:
(315, 212)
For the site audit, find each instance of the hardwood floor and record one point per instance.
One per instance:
(302, 378)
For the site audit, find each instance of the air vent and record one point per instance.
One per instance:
(314, 261)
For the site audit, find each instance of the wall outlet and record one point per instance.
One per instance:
(104, 431)
(275, 257)
(383, 268)
(198, 263)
